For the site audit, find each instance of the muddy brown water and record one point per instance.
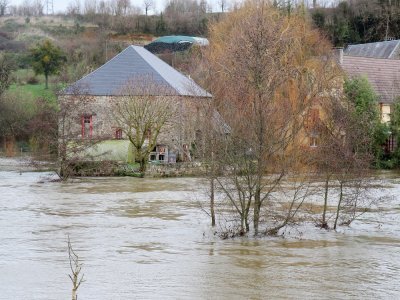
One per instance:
(148, 239)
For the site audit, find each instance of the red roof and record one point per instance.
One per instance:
(383, 74)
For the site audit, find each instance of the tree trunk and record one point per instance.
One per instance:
(257, 207)
(246, 219)
(212, 211)
(143, 165)
(74, 295)
(142, 159)
(338, 207)
(46, 76)
(324, 224)
(212, 190)
(242, 223)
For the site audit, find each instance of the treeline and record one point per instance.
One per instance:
(359, 21)
(344, 22)
(178, 17)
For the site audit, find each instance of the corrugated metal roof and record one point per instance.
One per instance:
(383, 74)
(387, 49)
(131, 67)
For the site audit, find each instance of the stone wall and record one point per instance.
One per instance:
(181, 130)
(176, 170)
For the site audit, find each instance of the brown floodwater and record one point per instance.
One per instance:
(149, 239)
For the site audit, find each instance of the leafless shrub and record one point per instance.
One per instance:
(75, 265)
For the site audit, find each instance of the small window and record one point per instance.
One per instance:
(312, 120)
(161, 149)
(313, 141)
(118, 133)
(87, 126)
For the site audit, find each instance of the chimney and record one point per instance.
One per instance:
(338, 53)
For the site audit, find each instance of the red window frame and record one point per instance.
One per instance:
(87, 119)
(118, 134)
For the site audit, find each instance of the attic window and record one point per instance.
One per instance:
(313, 141)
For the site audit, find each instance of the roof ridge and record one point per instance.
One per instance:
(397, 40)
(155, 70)
(369, 57)
(161, 71)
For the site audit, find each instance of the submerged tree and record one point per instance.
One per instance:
(342, 158)
(76, 275)
(266, 71)
(142, 111)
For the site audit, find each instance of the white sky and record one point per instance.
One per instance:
(61, 5)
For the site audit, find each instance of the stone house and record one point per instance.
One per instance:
(135, 72)
(380, 64)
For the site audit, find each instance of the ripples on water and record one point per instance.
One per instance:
(148, 239)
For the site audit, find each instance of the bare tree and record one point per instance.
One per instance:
(38, 7)
(343, 158)
(90, 7)
(148, 5)
(143, 110)
(75, 137)
(124, 6)
(263, 90)
(74, 7)
(26, 8)
(75, 265)
(3, 6)
(222, 5)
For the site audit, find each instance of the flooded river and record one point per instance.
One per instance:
(148, 239)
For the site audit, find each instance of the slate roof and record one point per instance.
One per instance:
(387, 49)
(132, 67)
(383, 74)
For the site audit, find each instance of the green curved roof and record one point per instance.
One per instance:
(171, 39)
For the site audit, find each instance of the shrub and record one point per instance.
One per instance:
(32, 80)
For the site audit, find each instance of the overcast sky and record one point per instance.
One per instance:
(61, 5)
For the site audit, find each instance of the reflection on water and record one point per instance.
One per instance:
(148, 239)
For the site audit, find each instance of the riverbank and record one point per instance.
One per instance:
(26, 163)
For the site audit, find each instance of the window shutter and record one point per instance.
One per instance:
(91, 126)
(83, 125)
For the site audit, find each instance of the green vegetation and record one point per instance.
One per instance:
(359, 21)
(47, 59)
(33, 91)
(365, 101)
(393, 160)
